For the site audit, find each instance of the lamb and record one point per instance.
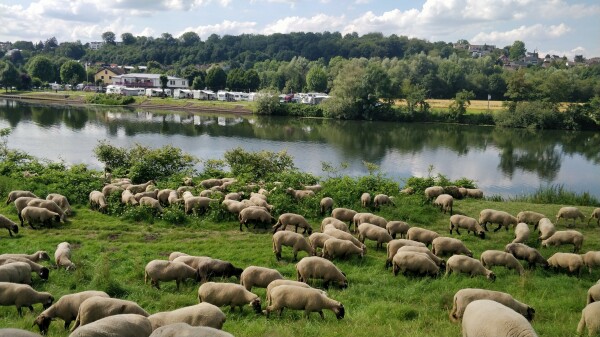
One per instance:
(572, 262)
(159, 270)
(15, 272)
(95, 308)
(186, 330)
(463, 297)
(109, 189)
(42, 271)
(40, 255)
(523, 252)
(493, 216)
(433, 192)
(97, 201)
(299, 298)
(228, 294)
(394, 245)
(62, 256)
(365, 200)
(22, 295)
(397, 227)
(470, 224)
(336, 233)
(208, 183)
(319, 268)
(198, 204)
(65, 308)
(9, 332)
(593, 293)
(61, 201)
(490, 258)
(21, 203)
(254, 276)
(140, 187)
(217, 268)
(315, 188)
(254, 214)
(152, 194)
(441, 246)
(546, 228)
(474, 193)
(530, 217)
(326, 204)
(175, 255)
(487, 318)
(300, 194)
(333, 247)
(203, 314)
(595, 215)
(445, 201)
(418, 249)
(521, 233)
(565, 237)
(469, 265)
(591, 259)
(375, 233)
(570, 213)
(13, 195)
(152, 203)
(360, 218)
(291, 239)
(317, 240)
(8, 224)
(130, 325)
(343, 214)
(49, 205)
(292, 219)
(422, 235)
(590, 317)
(382, 199)
(414, 263)
(335, 223)
(34, 215)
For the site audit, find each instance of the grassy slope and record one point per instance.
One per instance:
(111, 255)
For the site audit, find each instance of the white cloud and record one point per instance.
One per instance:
(523, 33)
(224, 28)
(317, 23)
(394, 21)
(570, 54)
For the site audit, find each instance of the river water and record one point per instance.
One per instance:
(506, 162)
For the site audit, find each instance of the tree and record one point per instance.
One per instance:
(235, 80)
(9, 76)
(164, 80)
(189, 38)
(216, 79)
(41, 67)
(517, 50)
(316, 79)
(108, 37)
(128, 38)
(252, 80)
(459, 107)
(72, 72)
(198, 83)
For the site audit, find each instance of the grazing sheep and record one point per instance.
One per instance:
(233, 206)
(590, 317)
(422, 235)
(593, 293)
(463, 297)
(163, 196)
(317, 240)
(572, 262)
(152, 203)
(373, 219)
(234, 196)
(127, 198)
(445, 201)
(159, 270)
(297, 241)
(186, 330)
(474, 193)
(315, 188)
(37, 215)
(468, 265)
(300, 194)
(433, 192)
(15, 272)
(397, 227)
(375, 233)
(197, 204)
(570, 213)
(40, 255)
(299, 298)
(61, 201)
(441, 246)
(595, 215)
(565, 237)
(526, 253)
(493, 216)
(441, 263)
(591, 259)
(203, 314)
(23, 295)
(182, 189)
(49, 205)
(488, 318)
(13, 195)
(173, 199)
(130, 325)
(95, 308)
(254, 214)
(277, 283)
(414, 263)
(65, 308)
(192, 261)
(208, 268)
(257, 201)
(151, 194)
(326, 204)
(292, 219)
(546, 228)
(455, 191)
(333, 247)
(98, 201)
(42, 271)
(109, 189)
(365, 200)
(319, 268)
(339, 224)
(394, 245)
(62, 256)
(343, 214)
(407, 191)
(254, 276)
(529, 217)
(175, 255)
(491, 258)
(336, 233)
(382, 199)
(9, 332)
(228, 294)
(521, 233)
(206, 193)
(470, 224)
(21, 203)
(140, 187)
(208, 183)
(8, 224)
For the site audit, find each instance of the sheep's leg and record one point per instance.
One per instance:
(67, 323)
(280, 311)
(485, 226)
(457, 232)
(30, 308)
(321, 313)
(22, 224)
(396, 270)
(20, 311)
(10, 232)
(497, 229)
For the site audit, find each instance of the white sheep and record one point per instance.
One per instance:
(190, 260)
(422, 235)
(487, 318)
(333, 247)
(382, 199)
(98, 201)
(397, 227)
(8, 224)
(365, 200)
(433, 191)
(468, 265)
(314, 267)
(182, 189)
(490, 258)
(208, 183)
(415, 263)
(394, 245)
(259, 201)
(300, 194)
(256, 215)
(293, 219)
(499, 217)
(202, 314)
(445, 201)
(130, 325)
(186, 330)
(326, 204)
(109, 189)
(37, 215)
(228, 294)
(590, 317)
(595, 215)
(152, 203)
(375, 233)
(565, 237)
(140, 187)
(15, 272)
(526, 253)
(163, 196)
(591, 259)
(463, 297)
(13, 195)
(49, 205)
(339, 224)
(152, 194)
(521, 233)
(315, 188)
(470, 224)
(336, 233)
(65, 308)
(277, 283)
(42, 271)
(21, 203)
(61, 201)
(197, 204)
(530, 217)
(441, 263)
(160, 270)
(23, 295)
(260, 277)
(593, 294)
(343, 214)
(290, 239)
(371, 218)
(40, 255)
(175, 255)
(441, 246)
(317, 240)
(95, 308)
(10, 332)
(127, 198)
(571, 262)
(234, 196)
(546, 227)
(570, 213)
(299, 298)
(62, 256)
(474, 193)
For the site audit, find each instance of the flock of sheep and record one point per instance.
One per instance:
(483, 312)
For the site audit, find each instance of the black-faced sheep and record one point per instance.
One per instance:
(333, 248)
(593, 294)
(463, 297)
(432, 192)
(9, 332)
(130, 325)
(203, 314)
(491, 258)
(595, 215)
(260, 277)
(109, 189)
(175, 255)
(317, 240)
(292, 219)
(257, 215)
(159, 270)
(152, 203)
(470, 224)
(295, 240)
(394, 245)
(15, 272)
(499, 217)
(13, 195)
(314, 267)
(441, 263)
(339, 224)
(300, 194)
(397, 227)
(336, 233)
(573, 263)
(228, 294)
(186, 330)
(307, 299)
(376, 220)
(22, 295)
(65, 308)
(192, 261)
(422, 235)
(591, 259)
(95, 308)
(277, 283)
(61, 201)
(98, 201)
(590, 317)
(526, 253)
(474, 193)
(570, 213)
(531, 218)
(382, 199)
(521, 233)
(565, 238)
(42, 271)
(487, 318)
(37, 215)
(21, 203)
(8, 224)
(375, 233)
(40, 255)
(416, 263)
(445, 201)
(151, 194)
(326, 204)
(343, 214)
(468, 265)
(62, 256)
(217, 268)
(441, 246)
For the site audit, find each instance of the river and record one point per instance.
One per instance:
(505, 162)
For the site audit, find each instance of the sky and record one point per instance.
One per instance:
(557, 27)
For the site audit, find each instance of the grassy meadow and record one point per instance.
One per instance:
(111, 253)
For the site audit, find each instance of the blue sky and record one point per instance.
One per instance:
(553, 26)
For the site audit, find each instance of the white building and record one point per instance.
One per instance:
(96, 45)
(138, 80)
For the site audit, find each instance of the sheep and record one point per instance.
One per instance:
(547, 228)
(463, 297)
(8, 224)
(570, 213)
(208, 183)
(445, 201)
(163, 196)
(490, 258)
(217, 268)
(192, 261)
(433, 192)
(300, 194)
(455, 191)
(317, 240)
(299, 298)
(65, 308)
(61, 201)
(49, 205)
(521, 233)
(292, 219)
(62, 256)
(277, 283)
(470, 224)
(595, 215)
(127, 198)
(407, 190)
(152, 203)
(182, 189)
(40, 255)
(365, 200)
(40, 270)
(37, 215)
(382, 199)
(394, 245)
(233, 206)
(422, 235)
(254, 214)
(441, 263)
(319, 268)
(315, 188)
(565, 237)
(175, 255)
(21, 203)
(96, 307)
(186, 330)
(572, 262)
(260, 202)
(360, 218)
(130, 325)
(375, 233)
(202, 314)
(336, 233)
(228, 294)
(98, 201)
(23, 295)
(198, 204)
(487, 318)
(109, 189)
(593, 293)
(474, 193)
(397, 227)
(297, 241)
(343, 214)
(152, 194)
(335, 223)
(254, 276)
(173, 199)
(526, 253)
(206, 193)
(9, 332)
(15, 272)
(530, 217)
(591, 259)
(333, 247)
(469, 265)
(234, 196)
(443, 246)
(159, 270)
(414, 263)
(13, 195)
(493, 216)
(140, 187)
(590, 317)
(326, 204)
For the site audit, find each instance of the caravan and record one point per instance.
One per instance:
(183, 93)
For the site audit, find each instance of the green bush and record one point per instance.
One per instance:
(139, 214)
(557, 194)
(256, 166)
(174, 216)
(110, 99)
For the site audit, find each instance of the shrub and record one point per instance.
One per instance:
(255, 166)
(110, 99)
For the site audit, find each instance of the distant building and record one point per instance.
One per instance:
(138, 80)
(5, 46)
(106, 74)
(96, 45)
(479, 50)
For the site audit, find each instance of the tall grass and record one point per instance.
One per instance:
(557, 194)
